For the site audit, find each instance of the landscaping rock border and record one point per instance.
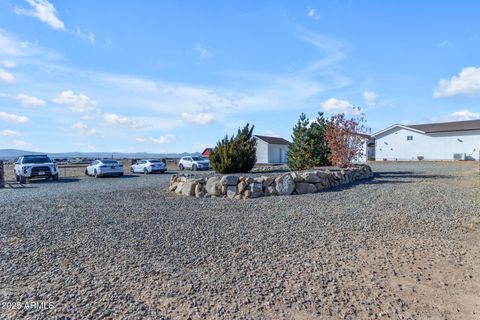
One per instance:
(283, 184)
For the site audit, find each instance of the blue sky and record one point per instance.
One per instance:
(176, 76)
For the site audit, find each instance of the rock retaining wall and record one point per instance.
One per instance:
(2, 175)
(244, 186)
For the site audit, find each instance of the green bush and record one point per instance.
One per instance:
(235, 154)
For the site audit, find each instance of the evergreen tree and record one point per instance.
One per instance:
(235, 154)
(300, 156)
(316, 139)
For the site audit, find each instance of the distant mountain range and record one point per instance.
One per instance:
(9, 154)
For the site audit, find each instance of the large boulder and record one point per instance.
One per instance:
(310, 177)
(270, 190)
(173, 186)
(179, 188)
(284, 184)
(213, 186)
(303, 188)
(256, 190)
(267, 181)
(231, 191)
(199, 190)
(229, 180)
(242, 186)
(296, 177)
(188, 188)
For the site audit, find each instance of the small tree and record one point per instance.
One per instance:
(235, 154)
(316, 139)
(345, 139)
(300, 155)
(309, 147)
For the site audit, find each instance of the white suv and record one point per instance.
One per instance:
(194, 163)
(35, 166)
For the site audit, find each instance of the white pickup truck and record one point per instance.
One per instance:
(35, 166)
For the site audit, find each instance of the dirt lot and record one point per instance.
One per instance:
(405, 245)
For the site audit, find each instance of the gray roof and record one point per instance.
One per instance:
(273, 140)
(447, 126)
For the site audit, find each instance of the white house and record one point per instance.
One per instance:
(458, 140)
(271, 149)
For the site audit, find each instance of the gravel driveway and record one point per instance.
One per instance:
(402, 246)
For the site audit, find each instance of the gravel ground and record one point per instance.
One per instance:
(402, 246)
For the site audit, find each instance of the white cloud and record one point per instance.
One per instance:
(21, 143)
(9, 133)
(446, 44)
(140, 140)
(312, 13)
(164, 139)
(333, 105)
(370, 98)
(44, 11)
(198, 118)
(29, 100)
(76, 102)
(113, 119)
(203, 52)
(13, 118)
(465, 115)
(333, 49)
(467, 83)
(86, 35)
(84, 129)
(6, 76)
(9, 46)
(8, 63)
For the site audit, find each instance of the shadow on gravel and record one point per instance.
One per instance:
(410, 175)
(61, 180)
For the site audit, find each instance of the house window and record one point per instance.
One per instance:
(409, 138)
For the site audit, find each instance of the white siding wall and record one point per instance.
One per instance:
(393, 145)
(277, 153)
(262, 151)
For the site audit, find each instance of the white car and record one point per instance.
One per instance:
(148, 166)
(194, 163)
(105, 167)
(35, 166)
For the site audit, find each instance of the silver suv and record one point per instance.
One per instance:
(194, 163)
(35, 166)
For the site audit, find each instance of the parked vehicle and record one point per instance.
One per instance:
(105, 167)
(35, 166)
(148, 166)
(194, 163)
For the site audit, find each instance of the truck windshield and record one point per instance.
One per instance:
(36, 159)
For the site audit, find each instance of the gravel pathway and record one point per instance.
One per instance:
(402, 246)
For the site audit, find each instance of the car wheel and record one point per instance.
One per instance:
(23, 179)
(194, 167)
(17, 178)
(120, 174)
(86, 172)
(131, 170)
(163, 171)
(95, 174)
(55, 177)
(181, 167)
(145, 171)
